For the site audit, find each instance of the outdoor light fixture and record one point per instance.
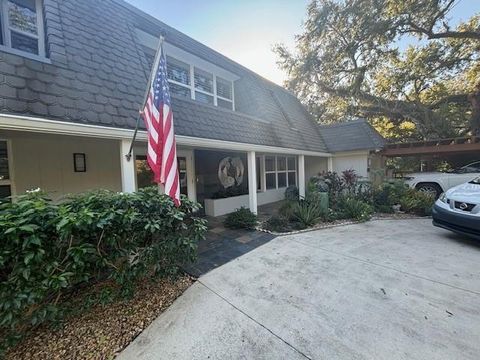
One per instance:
(79, 162)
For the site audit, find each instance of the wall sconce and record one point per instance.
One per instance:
(79, 162)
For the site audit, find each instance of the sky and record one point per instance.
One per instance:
(246, 30)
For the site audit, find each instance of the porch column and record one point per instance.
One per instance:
(330, 164)
(301, 175)
(252, 181)
(127, 168)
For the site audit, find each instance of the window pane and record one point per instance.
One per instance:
(204, 98)
(144, 173)
(270, 181)
(22, 15)
(225, 104)
(291, 163)
(281, 163)
(224, 88)
(4, 174)
(178, 71)
(24, 43)
(203, 80)
(5, 192)
(282, 180)
(179, 90)
(269, 163)
(292, 178)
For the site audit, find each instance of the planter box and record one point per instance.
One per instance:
(218, 207)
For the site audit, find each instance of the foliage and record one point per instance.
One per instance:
(277, 223)
(388, 194)
(307, 213)
(417, 202)
(241, 218)
(286, 209)
(348, 63)
(291, 193)
(353, 208)
(50, 250)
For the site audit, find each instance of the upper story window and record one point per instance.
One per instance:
(190, 76)
(193, 82)
(21, 25)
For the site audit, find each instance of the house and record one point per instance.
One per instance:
(73, 75)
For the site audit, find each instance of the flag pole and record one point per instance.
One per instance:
(128, 156)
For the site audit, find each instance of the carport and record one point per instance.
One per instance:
(456, 151)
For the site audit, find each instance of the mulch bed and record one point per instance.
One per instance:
(102, 331)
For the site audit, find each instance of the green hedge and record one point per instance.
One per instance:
(48, 250)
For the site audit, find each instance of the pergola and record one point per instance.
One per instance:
(450, 146)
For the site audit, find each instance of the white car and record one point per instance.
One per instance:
(439, 182)
(458, 209)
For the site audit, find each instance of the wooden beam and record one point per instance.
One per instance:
(431, 149)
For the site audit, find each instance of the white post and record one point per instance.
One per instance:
(252, 181)
(127, 168)
(301, 175)
(330, 164)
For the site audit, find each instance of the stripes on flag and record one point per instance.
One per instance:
(158, 117)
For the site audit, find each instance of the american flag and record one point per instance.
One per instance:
(158, 117)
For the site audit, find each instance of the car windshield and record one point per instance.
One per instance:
(475, 181)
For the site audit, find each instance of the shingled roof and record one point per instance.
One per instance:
(97, 73)
(351, 135)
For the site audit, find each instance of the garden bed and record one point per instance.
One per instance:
(101, 331)
(335, 223)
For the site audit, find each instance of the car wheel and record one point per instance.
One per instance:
(430, 188)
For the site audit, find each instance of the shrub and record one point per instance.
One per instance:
(388, 194)
(306, 213)
(277, 223)
(286, 209)
(241, 219)
(353, 208)
(49, 250)
(417, 202)
(291, 193)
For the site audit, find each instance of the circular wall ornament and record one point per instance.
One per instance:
(230, 171)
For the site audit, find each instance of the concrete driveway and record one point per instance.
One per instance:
(398, 289)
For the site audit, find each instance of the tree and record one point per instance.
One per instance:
(348, 63)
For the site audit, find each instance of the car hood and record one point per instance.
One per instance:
(465, 192)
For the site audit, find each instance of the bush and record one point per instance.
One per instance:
(277, 223)
(306, 213)
(388, 194)
(353, 208)
(291, 193)
(417, 202)
(241, 219)
(286, 209)
(49, 250)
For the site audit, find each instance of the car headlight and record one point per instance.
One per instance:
(443, 198)
(408, 178)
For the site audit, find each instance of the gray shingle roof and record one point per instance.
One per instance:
(98, 75)
(352, 135)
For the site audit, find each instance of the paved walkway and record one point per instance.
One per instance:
(386, 289)
(223, 245)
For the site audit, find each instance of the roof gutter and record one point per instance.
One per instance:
(40, 125)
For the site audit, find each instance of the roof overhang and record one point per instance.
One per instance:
(41, 125)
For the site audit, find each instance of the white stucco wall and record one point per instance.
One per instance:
(46, 161)
(314, 165)
(357, 161)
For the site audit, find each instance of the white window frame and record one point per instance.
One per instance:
(193, 89)
(10, 181)
(276, 171)
(6, 31)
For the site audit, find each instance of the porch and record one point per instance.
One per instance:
(222, 176)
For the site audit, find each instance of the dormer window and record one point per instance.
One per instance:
(22, 26)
